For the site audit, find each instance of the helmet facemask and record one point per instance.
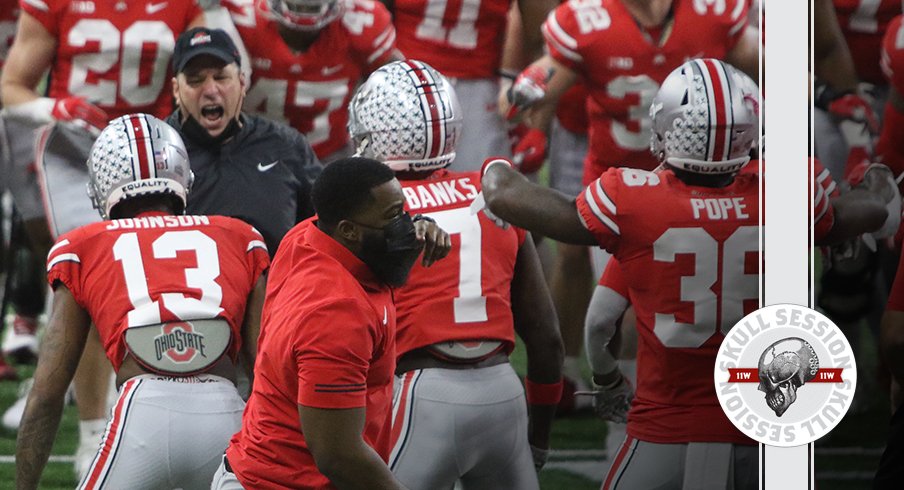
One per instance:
(302, 15)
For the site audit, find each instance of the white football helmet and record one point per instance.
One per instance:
(303, 15)
(137, 155)
(407, 116)
(705, 118)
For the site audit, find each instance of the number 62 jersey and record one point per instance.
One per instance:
(690, 256)
(159, 268)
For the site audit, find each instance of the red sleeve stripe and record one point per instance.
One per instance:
(559, 40)
(390, 36)
(62, 258)
(591, 202)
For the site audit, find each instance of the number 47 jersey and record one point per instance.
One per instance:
(690, 256)
(158, 268)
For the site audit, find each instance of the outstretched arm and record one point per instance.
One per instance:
(61, 349)
(544, 211)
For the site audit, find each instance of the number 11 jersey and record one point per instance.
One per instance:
(158, 268)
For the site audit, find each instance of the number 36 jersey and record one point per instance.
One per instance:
(467, 295)
(114, 54)
(158, 268)
(623, 66)
(690, 256)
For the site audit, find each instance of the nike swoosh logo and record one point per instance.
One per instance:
(153, 8)
(385, 316)
(329, 70)
(263, 168)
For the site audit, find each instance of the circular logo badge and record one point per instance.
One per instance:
(785, 375)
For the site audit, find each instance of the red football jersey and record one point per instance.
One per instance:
(114, 54)
(822, 188)
(690, 257)
(623, 66)
(310, 90)
(613, 278)
(159, 268)
(460, 38)
(863, 22)
(9, 14)
(467, 295)
(893, 53)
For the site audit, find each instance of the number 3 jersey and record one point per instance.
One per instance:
(690, 256)
(115, 54)
(467, 295)
(310, 90)
(623, 66)
(158, 268)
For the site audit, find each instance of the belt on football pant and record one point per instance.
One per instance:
(429, 357)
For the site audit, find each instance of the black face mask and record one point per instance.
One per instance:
(193, 131)
(391, 251)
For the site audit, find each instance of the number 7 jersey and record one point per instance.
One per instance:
(690, 256)
(159, 268)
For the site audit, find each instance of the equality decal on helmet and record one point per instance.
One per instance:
(433, 108)
(721, 117)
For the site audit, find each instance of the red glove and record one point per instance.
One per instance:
(529, 87)
(81, 113)
(528, 148)
(855, 108)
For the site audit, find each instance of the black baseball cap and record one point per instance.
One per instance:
(201, 40)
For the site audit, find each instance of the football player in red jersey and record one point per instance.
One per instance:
(464, 41)
(669, 233)
(307, 58)
(175, 300)
(624, 49)
(107, 58)
(459, 410)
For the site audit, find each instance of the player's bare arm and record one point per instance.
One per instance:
(537, 324)
(891, 343)
(251, 328)
(334, 439)
(745, 55)
(832, 60)
(29, 57)
(542, 210)
(61, 349)
(856, 212)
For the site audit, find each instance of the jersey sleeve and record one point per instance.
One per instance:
(64, 264)
(257, 254)
(371, 33)
(332, 351)
(613, 278)
(892, 57)
(46, 12)
(597, 208)
(822, 189)
(561, 30)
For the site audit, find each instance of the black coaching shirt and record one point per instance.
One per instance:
(263, 175)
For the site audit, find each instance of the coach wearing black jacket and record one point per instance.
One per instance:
(245, 166)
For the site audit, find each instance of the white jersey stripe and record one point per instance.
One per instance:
(61, 243)
(62, 258)
(591, 201)
(38, 4)
(557, 32)
(256, 244)
(383, 48)
(604, 198)
(555, 43)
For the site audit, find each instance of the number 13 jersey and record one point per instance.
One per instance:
(159, 268)
(690, 256)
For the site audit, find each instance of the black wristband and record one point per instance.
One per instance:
(419, 217)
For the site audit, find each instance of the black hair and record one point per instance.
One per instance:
(343, 188)
(703, 180)
(133, 206)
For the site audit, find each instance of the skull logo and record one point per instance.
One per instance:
(784, 367)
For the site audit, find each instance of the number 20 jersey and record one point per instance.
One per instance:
(623, 67)
(690, 256)
(467, 295)
(115, 54)
(159, 268)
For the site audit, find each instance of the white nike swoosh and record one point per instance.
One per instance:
(385, 316)
(153, 8)
(329, 70)
(263, 168)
